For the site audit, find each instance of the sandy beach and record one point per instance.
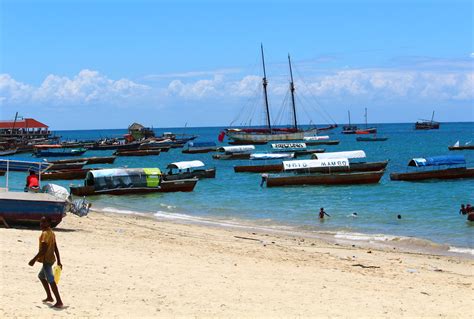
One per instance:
(130, 266)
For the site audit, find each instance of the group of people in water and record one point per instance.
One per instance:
(467, 210)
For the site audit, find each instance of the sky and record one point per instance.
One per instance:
(106, 64)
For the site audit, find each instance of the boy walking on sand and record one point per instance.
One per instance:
(45, 255)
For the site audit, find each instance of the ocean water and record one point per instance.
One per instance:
(429, 209)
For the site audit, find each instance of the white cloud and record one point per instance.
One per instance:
(192, 74)
(12, 90)
(198, 89)
(84, 88)
(91, 87)
(472, 55)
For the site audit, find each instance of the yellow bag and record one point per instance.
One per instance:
(56, 273)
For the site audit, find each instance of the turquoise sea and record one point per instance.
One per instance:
(429, 209)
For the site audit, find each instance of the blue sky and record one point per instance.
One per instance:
(105, 64)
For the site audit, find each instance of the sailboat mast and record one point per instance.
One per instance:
(292, 90)
(366, 118)
(264, 82)
(432, 117)
(349, 113)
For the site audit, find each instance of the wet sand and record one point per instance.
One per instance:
(131, 266)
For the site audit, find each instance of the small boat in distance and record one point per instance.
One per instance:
(367, 130)
(371, 138)
(298, 149)
(349, 128)
(146, 152)
(457, 147)
(427, 124)
(57, 151)
(88, 160)
(458, 162)
(319, 140)
(234, 152)
(199, 147)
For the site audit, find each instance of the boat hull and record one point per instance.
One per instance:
(322, 142)
(236, 156)
(451, 173)
(461, 148)
(131, 146)
(199, 150)
(371, 139)
(65, 174)
(28, 208)
(88, 160)
(276, 168)
(325, 179)
(137, 153)
(63, 166)
(58, 154)
(208, 173)
(252, 138)
(183, 185)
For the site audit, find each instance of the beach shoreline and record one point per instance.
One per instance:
(330, 236)
(125, 265)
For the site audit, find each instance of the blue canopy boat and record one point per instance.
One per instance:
(57, 151)
(28, 207)
(456, 169)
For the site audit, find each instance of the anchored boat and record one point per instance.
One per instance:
(299, 173)
(457, 147)
(456, 169)
(188, 169)
(123, 181)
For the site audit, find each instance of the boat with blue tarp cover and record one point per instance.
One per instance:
(456, 169)
(200, 147)
(28, 207)
(122, 181)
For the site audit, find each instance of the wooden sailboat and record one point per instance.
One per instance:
(427, 125)
(457, 147)
(261, 135)
(349, 129)
(367, 130)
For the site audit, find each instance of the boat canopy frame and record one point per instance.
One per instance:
(448, 160)
(185, 165)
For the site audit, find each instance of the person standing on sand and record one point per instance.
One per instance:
(45, 255)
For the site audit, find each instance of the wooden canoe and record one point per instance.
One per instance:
(67, 174)
(276, 168)
(450, 173)
(182, 185)
(88, 160)
(233, 156)
(137, 153)
(61, 166)
(322, 142)
(324, 179)
(461, 147)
